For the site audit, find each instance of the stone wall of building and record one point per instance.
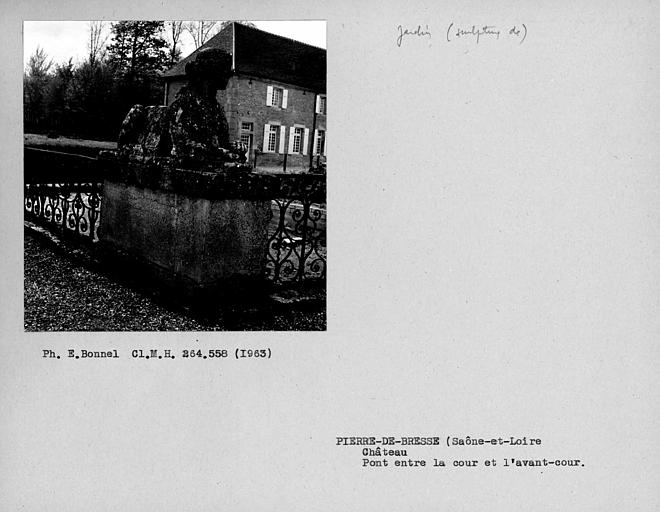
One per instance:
(245, 101)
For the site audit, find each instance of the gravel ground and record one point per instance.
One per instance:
(63, 295)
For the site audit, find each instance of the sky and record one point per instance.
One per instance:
(62, 40)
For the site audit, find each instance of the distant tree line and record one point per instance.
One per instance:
(90, 99)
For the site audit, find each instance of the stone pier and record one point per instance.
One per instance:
(196, 232)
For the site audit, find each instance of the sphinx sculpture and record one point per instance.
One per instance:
(192, 132)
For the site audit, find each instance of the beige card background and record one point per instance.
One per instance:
(494, 243)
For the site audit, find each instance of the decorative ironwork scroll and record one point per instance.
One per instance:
(297, 249)
(72, 208)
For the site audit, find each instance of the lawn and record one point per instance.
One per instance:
(68, 145)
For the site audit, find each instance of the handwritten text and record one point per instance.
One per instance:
(419, 32)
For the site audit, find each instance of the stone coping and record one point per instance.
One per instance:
(161, 174)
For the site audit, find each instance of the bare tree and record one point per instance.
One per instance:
(98, 36)
(174, 31)
(242, 22)
(200, 31)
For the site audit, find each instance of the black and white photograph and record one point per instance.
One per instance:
(476, 329)
(175, 175)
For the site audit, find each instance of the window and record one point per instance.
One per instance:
(276, 97)
(320, 104)
(272, 139)
(319, 142)
(246, 139)
(247, 135)
(297, 140)
(274, 135)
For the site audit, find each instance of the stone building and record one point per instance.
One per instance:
(275, 100)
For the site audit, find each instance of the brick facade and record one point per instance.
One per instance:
(297, 124)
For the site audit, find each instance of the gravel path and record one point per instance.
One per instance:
(62, 295)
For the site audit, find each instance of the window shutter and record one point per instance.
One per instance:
(291, 131)
(318, 104)
(316, 142)
(325, 141)
(285, 95)
(305, 141)
(282, 132)
(269, 96)
(266, 132)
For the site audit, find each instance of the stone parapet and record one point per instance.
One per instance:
(161, 174)
(199, 235)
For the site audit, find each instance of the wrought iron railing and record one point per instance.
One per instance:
(297, 249)
(296, 238)
(71, 208)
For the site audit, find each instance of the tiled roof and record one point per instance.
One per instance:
(268, 56)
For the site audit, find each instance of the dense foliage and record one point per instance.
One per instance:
(90, 99)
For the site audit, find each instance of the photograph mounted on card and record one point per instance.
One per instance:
(175, 175)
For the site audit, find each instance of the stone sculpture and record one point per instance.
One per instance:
(192, 132)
